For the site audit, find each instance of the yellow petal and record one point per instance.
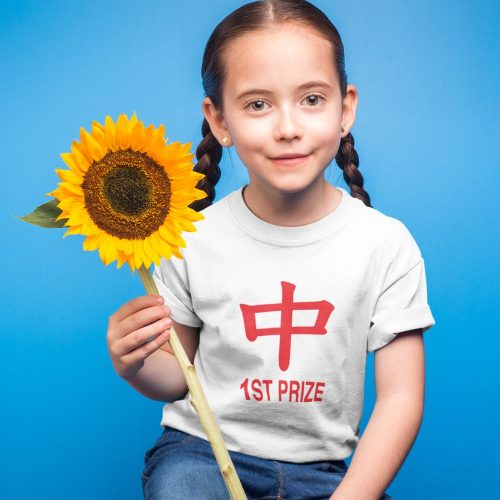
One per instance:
(166, 247)
(169, 235)
(69, 176)
(72, 230)
(122, 258)
(81, 155)
(131, 123)
(62, 192)
(127, 246)
(149, 250)
(72, 163)
(95, 149)
(110, 133)
(156, 242)
(70, 204)
(177, 253)
(99, 135)
(131, 262)
(122, 139)
(137, 137)
(78, 217)
(91, 242)
(72, 188)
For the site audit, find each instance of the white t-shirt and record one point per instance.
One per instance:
(287, 317)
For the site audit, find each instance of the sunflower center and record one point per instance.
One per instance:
(127, 190)
(127, 194)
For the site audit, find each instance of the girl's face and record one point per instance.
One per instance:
(281, 96)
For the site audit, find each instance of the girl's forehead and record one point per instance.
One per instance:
(270, 57)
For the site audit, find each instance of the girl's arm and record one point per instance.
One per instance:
(394, 422)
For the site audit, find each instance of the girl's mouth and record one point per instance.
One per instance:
(290, 162)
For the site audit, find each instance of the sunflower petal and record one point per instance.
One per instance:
(138, 259)
(166, 246)
(160, 246)
(95, 149)
(122, 139)
(128, 246)
(131, 123)
(99, 135)
(81, 155)
(177, 253)
(72, 188)
(91, 242)
(131, 262)
(72, 230)
(122, 259)
(110, 133)
(137, 137)
(71, 161)
(169, 235)
(69, 176)
(83, 147)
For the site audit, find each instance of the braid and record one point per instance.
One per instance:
(347, 159)
(208, 154)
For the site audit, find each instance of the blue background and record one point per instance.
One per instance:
(427, 135)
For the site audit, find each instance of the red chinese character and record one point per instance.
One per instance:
(286, 329)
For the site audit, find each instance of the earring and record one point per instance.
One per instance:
(342, 129)
(224, 140)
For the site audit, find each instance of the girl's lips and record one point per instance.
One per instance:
(289, 162)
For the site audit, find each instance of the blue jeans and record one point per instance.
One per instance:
(183, 466)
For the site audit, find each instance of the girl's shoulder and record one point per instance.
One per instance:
(392, 236)
(216, 218)
(214, 214)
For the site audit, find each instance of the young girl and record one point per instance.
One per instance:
(284, 288)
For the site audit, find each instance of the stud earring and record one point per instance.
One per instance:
(342, 129)
(224, 140)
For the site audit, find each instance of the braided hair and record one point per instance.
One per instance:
(208, 154)
(347, 159)
(247, 18)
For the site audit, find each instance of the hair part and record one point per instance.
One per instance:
(253, 16)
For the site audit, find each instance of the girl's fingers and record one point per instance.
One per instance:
(135, 305)
(137, 355)
(138, 338)
(141, 319)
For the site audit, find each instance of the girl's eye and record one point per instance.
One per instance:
(315, 99)
(258, 104)
(258, 101)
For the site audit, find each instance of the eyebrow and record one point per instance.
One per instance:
(304, 86)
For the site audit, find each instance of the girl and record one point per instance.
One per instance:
(284, 288)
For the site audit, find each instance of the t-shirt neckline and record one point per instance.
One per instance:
(266, 232)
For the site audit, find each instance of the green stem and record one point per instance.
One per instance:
(199, 403)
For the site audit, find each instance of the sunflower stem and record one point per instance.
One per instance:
(199, 403)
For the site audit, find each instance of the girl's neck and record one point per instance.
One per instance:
(293, 209)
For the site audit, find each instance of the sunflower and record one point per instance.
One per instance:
(128, 192)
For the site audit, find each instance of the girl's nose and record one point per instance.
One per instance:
(287, 125)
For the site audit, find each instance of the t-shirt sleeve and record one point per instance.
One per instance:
(402, 300)
(171, 279)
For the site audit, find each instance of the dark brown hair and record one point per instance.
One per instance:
(257, 16)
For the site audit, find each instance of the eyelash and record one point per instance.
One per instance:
(262, 100)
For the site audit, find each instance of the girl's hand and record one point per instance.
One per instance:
(131, 326)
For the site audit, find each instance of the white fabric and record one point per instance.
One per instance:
(295, 394)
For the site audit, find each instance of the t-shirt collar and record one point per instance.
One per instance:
(264, 231)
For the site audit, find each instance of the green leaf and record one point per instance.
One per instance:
(45, 215)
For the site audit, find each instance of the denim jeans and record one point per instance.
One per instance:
(183, 466)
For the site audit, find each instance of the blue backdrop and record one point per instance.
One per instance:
(427, 134)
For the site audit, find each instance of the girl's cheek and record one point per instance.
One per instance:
(324, 129)
(255, 130)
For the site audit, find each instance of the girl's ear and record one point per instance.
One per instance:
(349, 104)
(215, 119)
